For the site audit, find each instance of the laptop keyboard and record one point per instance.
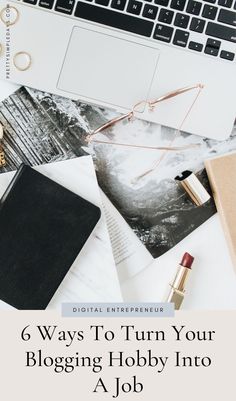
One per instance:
(174, 22)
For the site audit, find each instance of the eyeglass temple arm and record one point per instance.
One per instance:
(111, 122)
(151, 104)
(175, 93)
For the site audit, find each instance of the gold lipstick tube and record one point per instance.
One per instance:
(177, 291)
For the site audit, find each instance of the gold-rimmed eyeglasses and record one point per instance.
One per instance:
(151, 106)
(132, 114)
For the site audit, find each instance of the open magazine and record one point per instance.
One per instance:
(147, 212)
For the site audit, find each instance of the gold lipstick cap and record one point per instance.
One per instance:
(193, 187)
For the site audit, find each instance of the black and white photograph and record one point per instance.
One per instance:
(40, 128)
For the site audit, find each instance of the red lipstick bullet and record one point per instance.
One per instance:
(187, 260)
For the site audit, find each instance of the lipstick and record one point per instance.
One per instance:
(177, 291)
(194, 188)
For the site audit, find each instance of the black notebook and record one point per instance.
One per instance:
(43, 228)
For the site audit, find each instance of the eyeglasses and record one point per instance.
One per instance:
(131, 115)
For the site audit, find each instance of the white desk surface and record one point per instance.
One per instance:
(213, 281)
(212, 284)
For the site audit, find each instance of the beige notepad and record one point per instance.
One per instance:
(222, 176)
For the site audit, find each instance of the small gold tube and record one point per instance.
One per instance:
(193, 187)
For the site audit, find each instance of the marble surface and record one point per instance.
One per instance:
(93, 276)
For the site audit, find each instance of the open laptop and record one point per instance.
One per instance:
(115, 53)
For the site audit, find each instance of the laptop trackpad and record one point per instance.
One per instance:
(107, 69)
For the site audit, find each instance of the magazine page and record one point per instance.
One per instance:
(130, 254)
(36, 132)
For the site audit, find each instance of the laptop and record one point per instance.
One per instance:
(115, 53)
